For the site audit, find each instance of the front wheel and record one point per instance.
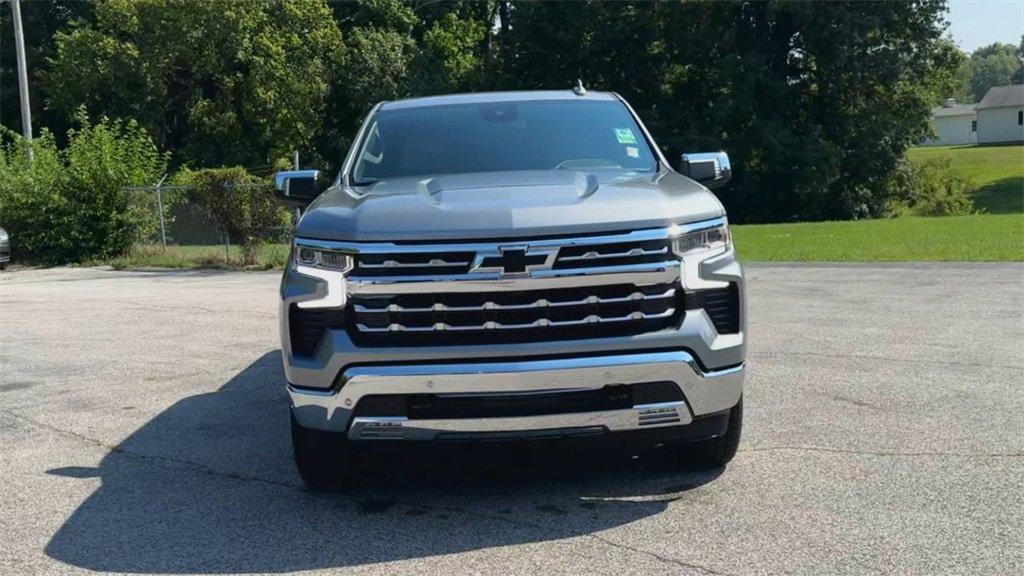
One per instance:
(716, 452)
(324, 459)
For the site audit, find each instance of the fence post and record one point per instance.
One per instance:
(160, 210)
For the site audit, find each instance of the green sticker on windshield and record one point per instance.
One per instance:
(625, 136)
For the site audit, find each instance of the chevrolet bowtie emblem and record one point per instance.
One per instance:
(513, 260)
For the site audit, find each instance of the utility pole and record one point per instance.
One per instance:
(19, 47)
(160, 209)
(297, 212)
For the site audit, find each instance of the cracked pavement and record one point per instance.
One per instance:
(143, 429)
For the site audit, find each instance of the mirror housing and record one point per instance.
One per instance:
(298, 186)
(711, 169)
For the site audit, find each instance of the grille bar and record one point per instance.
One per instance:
(541, 303)
(432, 263)
(594, 255)
(539, 323)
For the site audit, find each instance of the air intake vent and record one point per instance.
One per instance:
(722, 306)
(306, 326)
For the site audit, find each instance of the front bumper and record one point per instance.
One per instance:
(704, 393)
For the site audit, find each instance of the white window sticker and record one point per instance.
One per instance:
(632, 152)
(625, 136)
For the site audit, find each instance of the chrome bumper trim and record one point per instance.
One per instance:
(400, 428)
(705, 392)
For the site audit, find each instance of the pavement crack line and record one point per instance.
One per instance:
(598, 538)
(880, 453)
(166, 462)
(179, 464)
(771, 356)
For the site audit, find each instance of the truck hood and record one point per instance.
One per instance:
(497, 205)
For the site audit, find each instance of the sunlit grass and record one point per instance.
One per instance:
(978, 238)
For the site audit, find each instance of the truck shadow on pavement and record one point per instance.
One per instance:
(208, 486)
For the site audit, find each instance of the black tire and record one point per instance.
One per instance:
(324, 459)
(717, 452)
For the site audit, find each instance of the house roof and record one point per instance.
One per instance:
(1003, 97)
(957, 110)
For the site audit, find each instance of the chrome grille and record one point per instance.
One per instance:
(529, 315)
(510, 291)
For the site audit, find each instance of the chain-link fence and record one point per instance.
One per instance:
(172, 223)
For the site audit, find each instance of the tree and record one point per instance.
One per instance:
(451, 58)
(816, 102)
(242, 205)
(217, 82)
(1018, 76)
(71, 204)
(40, 21)
(992, 65)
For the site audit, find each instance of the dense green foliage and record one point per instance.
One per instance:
(993, 65)
(71, 204)
(939, 191)
(997, 173)
(220, 82)
(40, 22)
(241, 205)
(815, 102)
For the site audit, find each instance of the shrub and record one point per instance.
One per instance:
(241, 204)
(935, 190)
(71, 205)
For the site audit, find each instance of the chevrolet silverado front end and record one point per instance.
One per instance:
(510, 266)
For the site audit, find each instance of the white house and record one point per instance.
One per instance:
(954, 124)
(1001, 115)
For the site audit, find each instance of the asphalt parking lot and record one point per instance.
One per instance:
(143, 429)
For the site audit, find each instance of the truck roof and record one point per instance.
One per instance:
(484, 97)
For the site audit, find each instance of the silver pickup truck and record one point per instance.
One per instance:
(511, 266)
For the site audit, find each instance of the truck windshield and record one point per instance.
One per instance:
(498, 136)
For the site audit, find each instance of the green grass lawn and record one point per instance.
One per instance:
(996, 171)
(977, 238)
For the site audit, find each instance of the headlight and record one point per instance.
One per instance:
(707, 240)
(337, 261)
(330, 267)
(3, 235)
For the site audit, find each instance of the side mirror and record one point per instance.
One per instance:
(711, 169)
(298, 186)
